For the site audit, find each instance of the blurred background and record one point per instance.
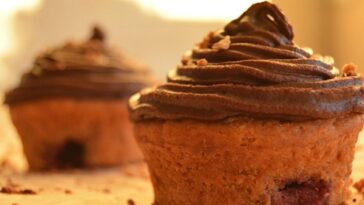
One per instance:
(157, 33)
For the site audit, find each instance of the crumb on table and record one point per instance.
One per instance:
(13, 190)
(131, 202)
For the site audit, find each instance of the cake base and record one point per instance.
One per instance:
(66, 133)
(245, 161)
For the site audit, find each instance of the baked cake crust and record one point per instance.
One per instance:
(250, 162)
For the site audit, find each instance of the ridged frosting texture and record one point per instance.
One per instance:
(252, 68)
(83, 70)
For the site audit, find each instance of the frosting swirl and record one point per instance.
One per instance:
(81, 70)
(252, 68)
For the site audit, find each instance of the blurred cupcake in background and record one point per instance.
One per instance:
(70, 110)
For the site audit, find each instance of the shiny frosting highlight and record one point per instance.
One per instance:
(252, 68)
(83, 71)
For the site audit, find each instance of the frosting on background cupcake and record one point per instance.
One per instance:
(84, 70)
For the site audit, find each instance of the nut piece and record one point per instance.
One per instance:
(349, 70)
(223, 44)
(206, 40)
(202, 62)
(186, 58)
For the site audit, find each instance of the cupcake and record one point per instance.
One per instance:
(249, 118)
(71, 109)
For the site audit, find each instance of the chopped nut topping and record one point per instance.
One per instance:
(329, 60)
(202, 62)
(326, 59)
(223, 44)
(186, 59)
(131, 202)
(335, 71)
(206, 40)
(349, 70)
(308, 50)
(97, 34)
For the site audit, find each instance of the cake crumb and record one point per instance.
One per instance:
(131, 202)
(202, 62)
(27, 191)
(106, 191)
(359, 186)
(67, 191)
(13, 190)
(223, 44)
(349, 70)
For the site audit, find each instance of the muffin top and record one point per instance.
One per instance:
(83, 70)
(252, 68)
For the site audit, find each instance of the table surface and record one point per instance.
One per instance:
(111, 186)
(94, 187)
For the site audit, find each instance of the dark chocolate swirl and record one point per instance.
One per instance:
(252, 68)
(83, 71)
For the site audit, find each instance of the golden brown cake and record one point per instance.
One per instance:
(250, 118)
(71, 108)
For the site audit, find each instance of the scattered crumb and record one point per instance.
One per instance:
(131, 202)
(349, 70)
(202, 62)
(223, 44)
(12, 190)
(27, 191)
(359, 186)
(106, 191)
(67, 191)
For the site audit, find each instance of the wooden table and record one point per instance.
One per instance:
(101, 187)
(98, 187)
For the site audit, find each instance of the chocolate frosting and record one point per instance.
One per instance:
(81, 70)
(252, 68)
